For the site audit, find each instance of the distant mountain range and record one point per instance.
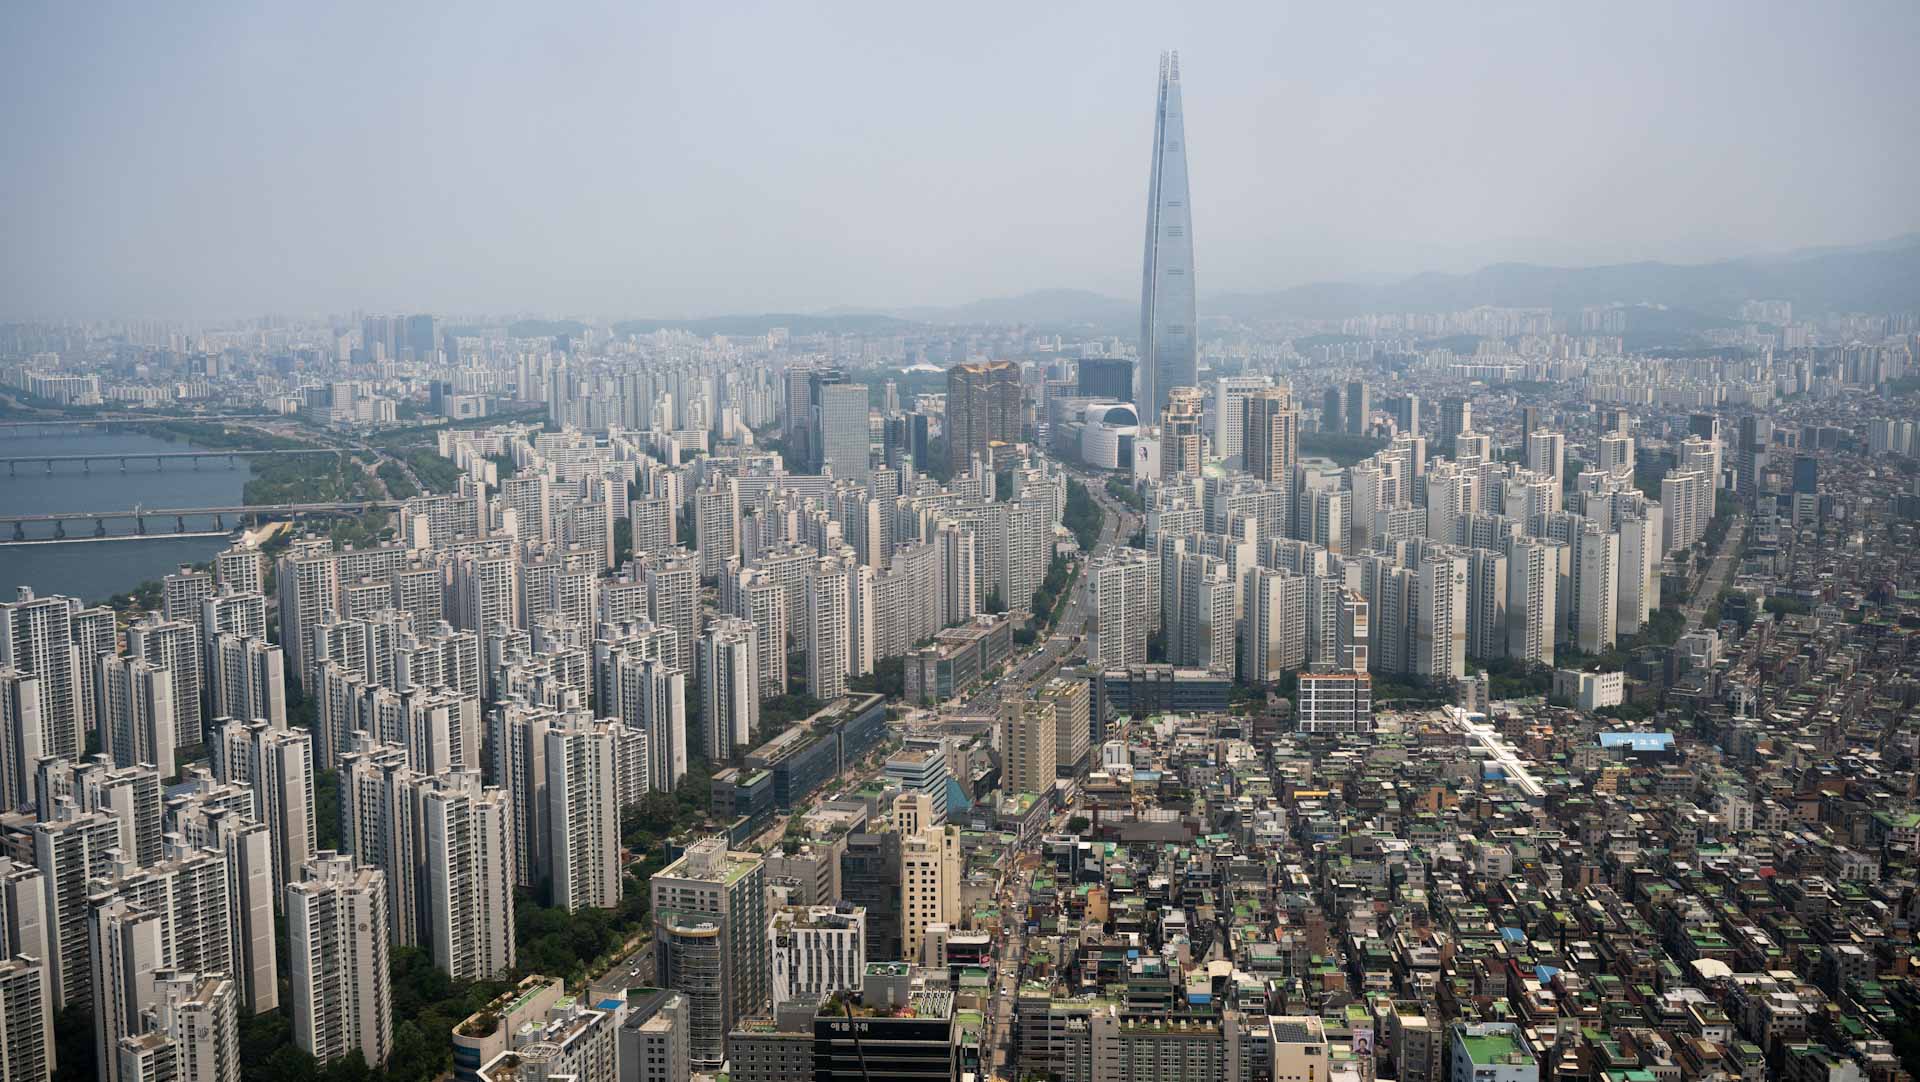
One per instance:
(1880, 277)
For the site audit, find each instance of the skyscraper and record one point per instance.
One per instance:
(1271, 441)
(1167, 333)
(983, 408)
(1180, 423)
(710, 939)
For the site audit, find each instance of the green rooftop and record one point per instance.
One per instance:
(1490, 1048)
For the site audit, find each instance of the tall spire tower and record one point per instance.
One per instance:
(1167, 331)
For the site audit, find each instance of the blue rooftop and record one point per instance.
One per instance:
(1637, 741)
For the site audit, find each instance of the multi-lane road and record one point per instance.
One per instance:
(1051, 652)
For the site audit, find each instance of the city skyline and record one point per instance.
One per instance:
(1510, 675)
(1334, 147)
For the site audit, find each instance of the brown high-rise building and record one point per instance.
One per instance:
(1271, 444)
(983, 407)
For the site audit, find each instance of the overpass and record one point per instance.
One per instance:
(139, 516)
(158, 458)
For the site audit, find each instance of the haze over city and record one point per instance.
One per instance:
(220, 160)
(725, 543)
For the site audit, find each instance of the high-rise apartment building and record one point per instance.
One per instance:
(1440, 622)
(241, 570)
(583, 817)
(1270, 443)
(22, 737)
(1533, 577)
(1547, 455)
(339, 980)
(1596, 598)
(829, 651)
(1230, 413)
(26, 1020)
(673, 600)
(248, 679)
(729, 686)
(467, 890)
(1182, 448)
(174, 645)
(717, 526)
(278, 765)
(36, 636)
(136, 713)
(1487, 577)
(71, 849)
(1273, 633)
(1169, 331)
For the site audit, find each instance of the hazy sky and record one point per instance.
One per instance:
(187, 159)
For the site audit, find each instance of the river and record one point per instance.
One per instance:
(95, 570)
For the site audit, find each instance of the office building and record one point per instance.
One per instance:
(983, 408)
(1456, 416)
(1300, 1051)
(1334, 702)
(339, 979)
(1169, 330)
(841, 431)
(929, 886)
(1027, 745)
(817, 951)
(710, 941)
(1072, 715)
(1109, 378)
(653, 1038)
